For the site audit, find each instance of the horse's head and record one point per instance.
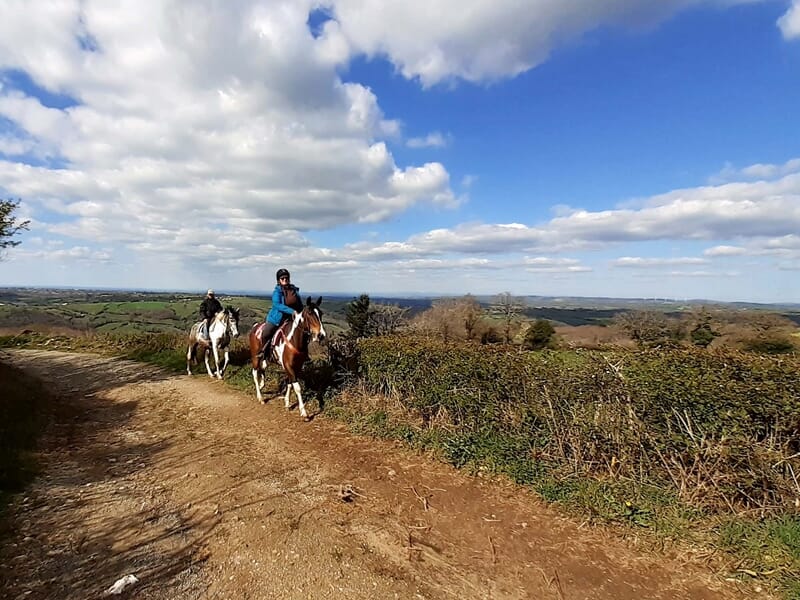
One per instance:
(232, 315)
(312, 319)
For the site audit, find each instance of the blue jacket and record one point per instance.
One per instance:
(279, 308)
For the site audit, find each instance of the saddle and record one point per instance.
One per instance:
(279, 332)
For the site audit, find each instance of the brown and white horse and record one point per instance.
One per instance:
(290, 350)
(224, 327)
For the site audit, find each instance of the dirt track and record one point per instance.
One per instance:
(202, 493)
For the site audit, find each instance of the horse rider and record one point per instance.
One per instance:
(286, 302)
(209, 307)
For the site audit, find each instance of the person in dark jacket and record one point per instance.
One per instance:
(209, 307)
(285, 303)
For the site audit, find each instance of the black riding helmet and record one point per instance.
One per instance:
(281, 273)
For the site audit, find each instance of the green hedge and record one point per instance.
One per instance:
(719, 428)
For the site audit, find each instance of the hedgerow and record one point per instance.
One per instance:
(693, 445)
(721, 429)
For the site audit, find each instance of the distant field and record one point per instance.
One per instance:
(163, 312)
(128, 312)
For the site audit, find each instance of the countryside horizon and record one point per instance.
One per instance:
(554, 301)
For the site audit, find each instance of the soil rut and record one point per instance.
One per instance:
(200, 492)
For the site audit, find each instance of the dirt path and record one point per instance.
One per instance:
(202, 493)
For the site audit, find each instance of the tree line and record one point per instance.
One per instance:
(504, 320)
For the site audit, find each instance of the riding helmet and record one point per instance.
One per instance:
(281, 273)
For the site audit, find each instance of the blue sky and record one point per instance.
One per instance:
(605, 148)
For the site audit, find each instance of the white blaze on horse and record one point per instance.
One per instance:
(224, 327)
(290, 350)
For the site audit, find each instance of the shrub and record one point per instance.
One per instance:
(539, 335)
(715, 427)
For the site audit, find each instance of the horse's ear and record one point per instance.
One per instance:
(308, 301)
(319, 300)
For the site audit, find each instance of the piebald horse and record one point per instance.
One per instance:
(289, 350)
(223, 328)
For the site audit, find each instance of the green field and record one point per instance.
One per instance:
(126, 313)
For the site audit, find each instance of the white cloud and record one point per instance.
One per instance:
(638, 262)
(432, 140)
(81, 254)
(725, 251)
(194, 120)
(224, 130)
(765, 214)
(546, 264)
(468, 181)
(704, 274)
(789, 23)
(756, 171)
(481, 41)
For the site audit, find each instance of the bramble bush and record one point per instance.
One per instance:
(719, 429)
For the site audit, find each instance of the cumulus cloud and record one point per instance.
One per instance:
(789, 23)
(756, 171)
(766, 214)
(195, 120)
(481, 41)
(224, 129)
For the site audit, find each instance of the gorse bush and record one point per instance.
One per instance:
(690, 444)
(719, 428)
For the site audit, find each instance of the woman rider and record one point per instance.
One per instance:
(285, 303)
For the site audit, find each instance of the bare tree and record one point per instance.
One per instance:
(649, 327)
(439, 320)
(508, 308)
(385, 319)
(471, 315)
(452, 318)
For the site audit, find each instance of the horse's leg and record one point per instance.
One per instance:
(264, 367)
(189, 354)
(258, 387)
(286, 396)
(301, 406)
(215, 350)
(225, 362)
(295, 386)
(206, 352)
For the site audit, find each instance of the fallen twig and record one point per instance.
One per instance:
(423, 499)
(347, 493)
